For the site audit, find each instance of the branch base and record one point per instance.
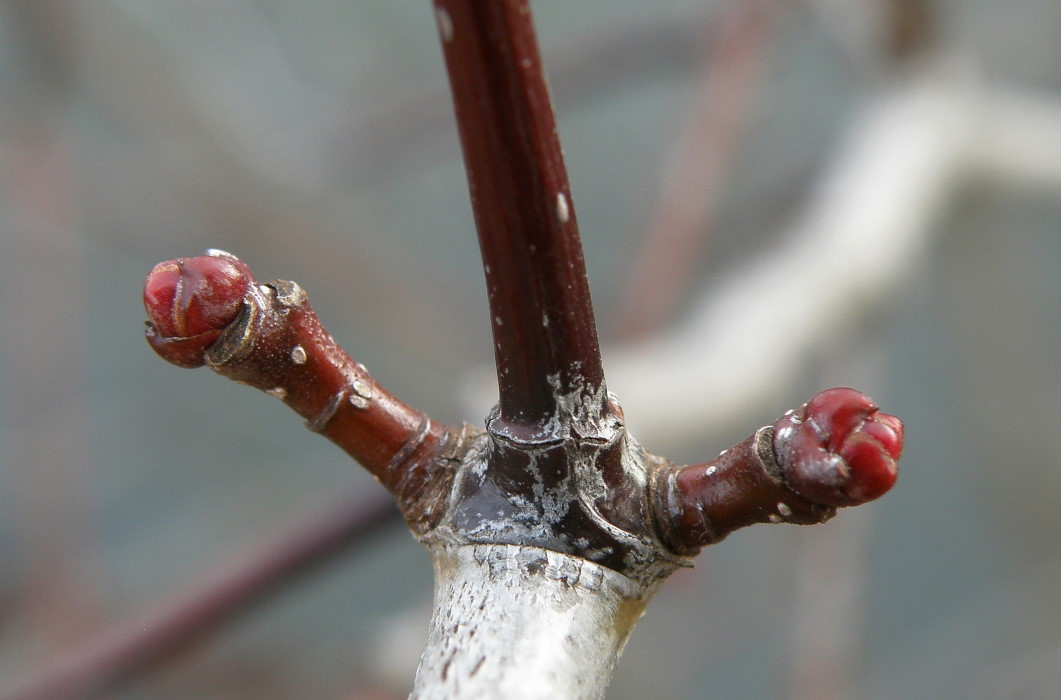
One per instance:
(518, 622)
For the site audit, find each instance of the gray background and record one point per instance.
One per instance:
(315, 140)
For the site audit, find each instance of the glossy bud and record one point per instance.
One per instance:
(839, 449)
(190, 301)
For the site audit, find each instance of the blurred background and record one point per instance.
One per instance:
(775, 197)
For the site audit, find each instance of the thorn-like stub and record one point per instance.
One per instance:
(289, 294)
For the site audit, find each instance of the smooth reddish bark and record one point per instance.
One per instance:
(545, 337)
(836, 450)
(276, 343)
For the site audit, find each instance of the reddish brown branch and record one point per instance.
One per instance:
(210, 310)
(699, 505)
(107, 659)
(544, 331)
(555, 434)
(837, 450)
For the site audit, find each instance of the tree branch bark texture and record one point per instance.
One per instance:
(551, 527)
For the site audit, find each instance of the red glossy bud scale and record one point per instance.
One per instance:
(839, 449)
(190, 301)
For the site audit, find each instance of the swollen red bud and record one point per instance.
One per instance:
(190, 301)
(835, 413)
(888, 431)
(839, 449)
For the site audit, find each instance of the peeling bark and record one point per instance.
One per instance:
(524, 622)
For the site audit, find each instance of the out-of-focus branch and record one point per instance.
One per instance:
(50, 497)
(111, 657)
(862, 231)
(879, 35)
(1018, 140)
(908, 149)
(910, 28)
(695, 175)
(300, 139)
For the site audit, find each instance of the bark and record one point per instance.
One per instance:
(525, 622)
(547, 554)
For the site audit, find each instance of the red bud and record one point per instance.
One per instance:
(839, 450)
(190, 301)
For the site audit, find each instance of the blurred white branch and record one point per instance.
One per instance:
(909, 147)
(1020, 139)
(861, 232)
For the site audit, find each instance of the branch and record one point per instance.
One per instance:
(837, 450)
(544, 331)
(864, 229)
(106, 659)
(911, 28)
(1017, 139)
(698, 165)
(210, 310)
(558, 472)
